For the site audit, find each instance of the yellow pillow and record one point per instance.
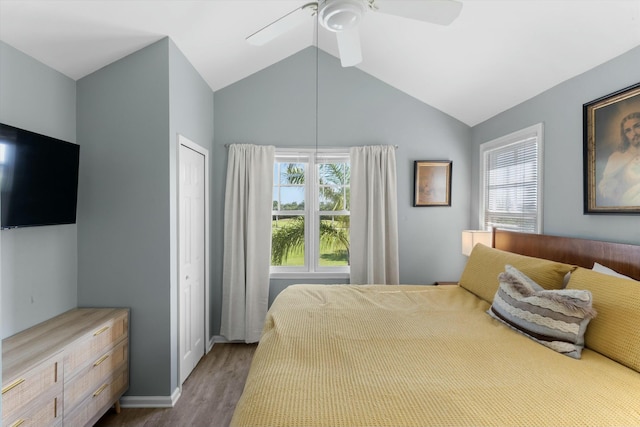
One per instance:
(615, 333)
(480, 275)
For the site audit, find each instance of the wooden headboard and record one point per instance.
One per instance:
(623, 258)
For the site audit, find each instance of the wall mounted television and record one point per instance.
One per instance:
(38, 179)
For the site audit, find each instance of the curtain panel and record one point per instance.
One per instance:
(374, 216)
(247, 241)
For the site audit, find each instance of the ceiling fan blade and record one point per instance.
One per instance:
(441, 12)
(349, 47)
(282, 25)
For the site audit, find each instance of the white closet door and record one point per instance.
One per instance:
(192, 259)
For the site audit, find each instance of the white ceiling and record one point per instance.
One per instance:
(497, 54)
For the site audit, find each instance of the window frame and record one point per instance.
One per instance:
(515, 138)
(311, 214)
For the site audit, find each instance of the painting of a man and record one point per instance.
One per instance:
(620, 182)
(612, 153)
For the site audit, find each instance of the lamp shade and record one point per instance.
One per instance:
(470, 238)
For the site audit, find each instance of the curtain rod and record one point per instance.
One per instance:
(320, 147)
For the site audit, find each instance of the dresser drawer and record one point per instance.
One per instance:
(91, 347)
(90, 378)
(45, 411)
(67, 370)
(19, 391)
(103, 396)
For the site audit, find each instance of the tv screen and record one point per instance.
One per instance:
(38, 179)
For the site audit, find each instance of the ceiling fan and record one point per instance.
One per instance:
(343, 17)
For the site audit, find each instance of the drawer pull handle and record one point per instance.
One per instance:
(18, 423)
(13, 385)
(100, 390)
(101, 330)
(102, 359)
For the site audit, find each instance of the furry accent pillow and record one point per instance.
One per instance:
(557, 319)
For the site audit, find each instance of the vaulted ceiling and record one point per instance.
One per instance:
(496, 54)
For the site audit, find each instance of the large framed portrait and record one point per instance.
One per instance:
(611, 140)
(432, 183)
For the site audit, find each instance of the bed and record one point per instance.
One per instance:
(371, 355)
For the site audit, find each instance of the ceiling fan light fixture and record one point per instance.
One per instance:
(341, 15)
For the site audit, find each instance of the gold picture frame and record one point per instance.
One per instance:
(432, 183)
(611, 158)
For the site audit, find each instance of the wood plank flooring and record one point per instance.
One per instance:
(209, 395)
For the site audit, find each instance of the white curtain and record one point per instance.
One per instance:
(247, 241)
(374, 216)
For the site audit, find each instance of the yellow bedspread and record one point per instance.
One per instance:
(352, 355)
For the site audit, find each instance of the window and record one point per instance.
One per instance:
(511, 181)
(310, 217)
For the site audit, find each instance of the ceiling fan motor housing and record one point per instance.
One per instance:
(341, 15)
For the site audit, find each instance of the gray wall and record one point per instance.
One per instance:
(129, 115)
(277, 106)
(123, 205)
(39, 264)
(560, 109)
(191, 112)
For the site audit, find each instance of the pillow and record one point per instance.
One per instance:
(480, 275)
(616, 331)
(556, 319)
(606, 270)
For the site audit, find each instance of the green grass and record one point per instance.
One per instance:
(336, 258)
(294, 259)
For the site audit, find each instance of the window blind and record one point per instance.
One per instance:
(512, 184)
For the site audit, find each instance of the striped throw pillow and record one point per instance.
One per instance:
(557, 319)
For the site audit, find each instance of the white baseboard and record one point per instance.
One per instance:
(151, 401)
(216, 339)
(165, 401)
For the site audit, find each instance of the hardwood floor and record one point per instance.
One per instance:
(209, 395)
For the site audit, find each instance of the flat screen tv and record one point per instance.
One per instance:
(38, 179)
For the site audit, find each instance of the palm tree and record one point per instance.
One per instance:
(288, 238)
(334, 230)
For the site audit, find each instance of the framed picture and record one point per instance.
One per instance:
(432, 183)
(611, 140)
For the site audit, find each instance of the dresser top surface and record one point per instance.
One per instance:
(39, 342)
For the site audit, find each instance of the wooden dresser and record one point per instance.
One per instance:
(68, 370)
